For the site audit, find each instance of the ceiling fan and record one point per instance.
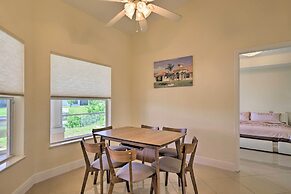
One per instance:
(141, 9)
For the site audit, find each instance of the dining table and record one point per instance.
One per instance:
(144, 138)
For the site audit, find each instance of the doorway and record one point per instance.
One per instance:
(265, 105)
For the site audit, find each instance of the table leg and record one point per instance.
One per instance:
(158, 185)
(178, 145)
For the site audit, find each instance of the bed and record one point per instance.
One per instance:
(265, 132)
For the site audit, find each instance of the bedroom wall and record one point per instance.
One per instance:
(211, 31)
(51, 25)
(266, 89)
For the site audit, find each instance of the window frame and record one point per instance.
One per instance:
(10, 119)
(79, 137)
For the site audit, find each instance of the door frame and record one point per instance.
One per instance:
(237, 87)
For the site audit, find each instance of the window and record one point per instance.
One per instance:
(5, 126)
(11, 96)
(72, 119)
(80, 98)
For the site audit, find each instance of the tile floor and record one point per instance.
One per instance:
(261, 173)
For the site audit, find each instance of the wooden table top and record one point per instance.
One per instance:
(143, 136)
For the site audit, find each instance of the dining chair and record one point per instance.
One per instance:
(118, 147)
(173, 152)
(101, 164)
(180, 166)
(147, 154)
(131, 173)
(149, 127)
(94, 131)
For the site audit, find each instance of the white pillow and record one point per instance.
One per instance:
(266, 117)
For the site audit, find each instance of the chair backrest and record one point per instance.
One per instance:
(149, 127)
(93, 148)
(189, 149)
(94, 131)
(120, 156)
(178, 130)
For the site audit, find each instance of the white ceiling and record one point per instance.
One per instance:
(105, 11)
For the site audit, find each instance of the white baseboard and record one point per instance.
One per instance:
(47, 174)
(216, 163)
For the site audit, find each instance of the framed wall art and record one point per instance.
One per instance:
(173, 72)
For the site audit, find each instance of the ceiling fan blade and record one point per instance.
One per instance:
(116, 18)
(143, 24)
(163, 12)
(119, 1)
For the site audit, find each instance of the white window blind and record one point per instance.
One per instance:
(76, 78)
(11, 65)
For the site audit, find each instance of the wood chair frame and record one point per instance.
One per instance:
(185, 168)
(97, 149)
(177, 130)
(123, 156)
(147, 154)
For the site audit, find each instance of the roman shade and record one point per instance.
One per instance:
(11, 65)
(77, 78)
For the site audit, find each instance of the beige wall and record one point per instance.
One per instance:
(211, 31)
(47, 26)
(266, 89)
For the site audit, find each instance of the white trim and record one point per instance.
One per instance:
(236, 72)
(216, 163)
(47, 174)
(284, 148)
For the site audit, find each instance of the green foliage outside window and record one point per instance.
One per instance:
(94, 106)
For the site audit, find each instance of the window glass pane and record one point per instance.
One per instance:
(3, 127)
(73, 118)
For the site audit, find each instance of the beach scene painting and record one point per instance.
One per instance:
(173, 72)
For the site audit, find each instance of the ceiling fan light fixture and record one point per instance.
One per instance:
(139, 16)
(147, 12)
(129, 9)
(143, 8)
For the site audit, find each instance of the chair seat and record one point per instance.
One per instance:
(169, 164)
(119, 148)
(96, 163)
(139, 172)
(171, 152)
(130, 147)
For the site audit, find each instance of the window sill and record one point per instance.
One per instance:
(53, 145)
(10, 162)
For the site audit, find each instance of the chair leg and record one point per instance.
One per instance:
(110, 191)
(166, 179)
(153, 184)
(185, 180)
(131, 187)
(95, 177)
(193, 181)
(101, 181)
(183, 183)
(127, 186)
(85, 181)
(108, 176)
(179, 181)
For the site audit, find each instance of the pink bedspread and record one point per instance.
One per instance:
(265, 129)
